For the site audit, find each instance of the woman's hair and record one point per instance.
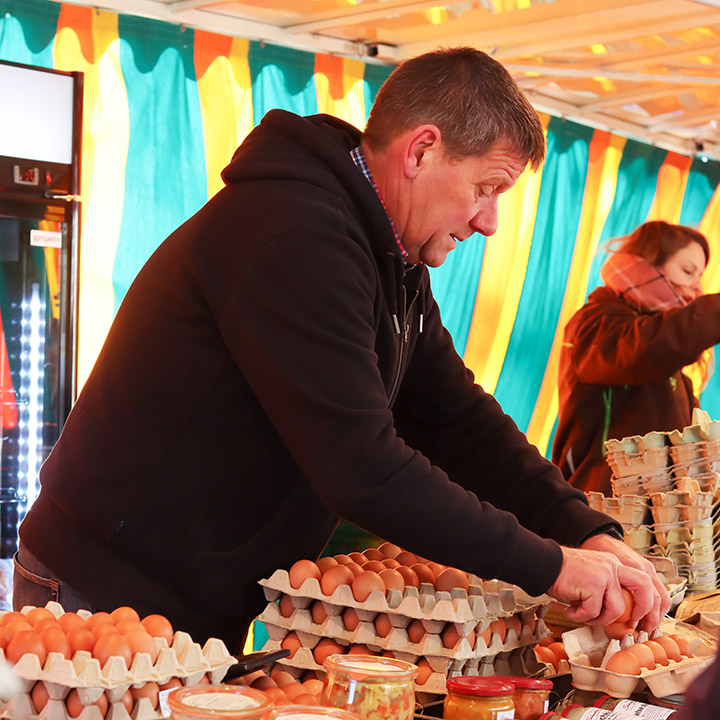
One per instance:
(657, 241)
(470, 97)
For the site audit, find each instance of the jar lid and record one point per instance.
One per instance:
(527, 683)
(361, 667)
(476, 685)
(219, 702)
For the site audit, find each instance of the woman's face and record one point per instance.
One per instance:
(684, 270)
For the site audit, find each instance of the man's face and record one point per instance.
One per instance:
(453, 199)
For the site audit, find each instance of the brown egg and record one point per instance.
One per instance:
(147, 690)
(389, 550)
(486, 635)
(415, 630)
(391, 563)
(37, 614)
(325, 563)
(355, 568)
(629, 606)
(618, 630)
(409, 576)
(301, 571)
(624, 663)
(285, 605)
(451, 637)
(124, 613)
(8, 617)
(55, 640)
(350, 619)
(313, 686)
(424, 671)
(171, 684)
(293, 689)
(670, 646)
(498, 626)
(393, 579)
(283, 678)
(70, 621)
(373, 554)
(383, 626)
(358, 557)
(326, 647)
(104, 629)
(406, 558)
(388, 653)
(39, 696)
(263, 682)
(45, 624)
(333, 578)
(75, 707)
(424, 573)
(159, 626)
(436, 568)
(305, 699)
(545, 655)
(558, 650)
(366, 583)
(98, 618)
(17, 626)
(644, 654)
(683, 645)
(318, 612)
(81, 639)
(291, 642)
(359, 649)
(658, 651)
(451, 578)
(112, 645)
(342, 559)
(374, 566)
(127, 626)
(23, 643)
(141, 641)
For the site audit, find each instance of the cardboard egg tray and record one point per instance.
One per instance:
(644, 483)
(532, 630)
(626, 509)
(457, 606)
(183, 659)
(593, 643)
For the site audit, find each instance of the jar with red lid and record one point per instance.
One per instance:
(471, 697)
(376, 688)
(531, 695)
(218, 702)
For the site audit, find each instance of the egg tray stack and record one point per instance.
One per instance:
(470, 612)
(182, 659)
(589, 649)
(669, 499)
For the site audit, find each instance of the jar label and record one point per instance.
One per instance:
(643, 710)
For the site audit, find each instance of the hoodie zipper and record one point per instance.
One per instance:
(403, 333)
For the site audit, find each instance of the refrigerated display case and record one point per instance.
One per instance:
(40, 132)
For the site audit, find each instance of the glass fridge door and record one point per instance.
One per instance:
(36, 351)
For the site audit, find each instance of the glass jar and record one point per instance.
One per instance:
(310, 712)
(636, 708)
(579, 712)
(218, 702)
(531, 696)
(471, 697)
(375, 688)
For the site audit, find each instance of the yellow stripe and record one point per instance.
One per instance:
(225, 102)
(710, 227)
(105, 142)
(605, 153)
(671, 183)
(339, 88)
(502, 277)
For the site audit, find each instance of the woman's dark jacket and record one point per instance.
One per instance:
(621, 375)
(254, 389)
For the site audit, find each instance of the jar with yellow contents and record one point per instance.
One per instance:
(478, 698)
(218, 702)
(376, 688)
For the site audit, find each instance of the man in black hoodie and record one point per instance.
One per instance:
(280, 363)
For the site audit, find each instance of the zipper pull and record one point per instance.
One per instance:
(406, 332)
(396, 323)
(421, 324)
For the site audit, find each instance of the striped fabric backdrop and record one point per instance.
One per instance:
(166, 106)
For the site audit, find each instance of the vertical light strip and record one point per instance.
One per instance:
(605, 152)
(501, 280)
(671, 183)
(87, 40)
(223, 77)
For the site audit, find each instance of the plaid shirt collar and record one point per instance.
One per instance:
(359, 159)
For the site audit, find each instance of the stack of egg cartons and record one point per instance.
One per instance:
(182, 661)
(490, 628)
(667, 485)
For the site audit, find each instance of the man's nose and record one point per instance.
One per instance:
(485, 220)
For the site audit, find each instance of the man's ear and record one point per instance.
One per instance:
(422, 145)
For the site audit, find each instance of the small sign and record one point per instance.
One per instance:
(46, 238)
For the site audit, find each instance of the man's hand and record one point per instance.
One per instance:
(592, 578)
(627, 556)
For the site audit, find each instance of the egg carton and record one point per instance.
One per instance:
(183, 658)
(456, 606)
(588, 649)
(644, 462)
(701, 532)
(626, 509)
(637, 444)
(643, 484)
(640, 538)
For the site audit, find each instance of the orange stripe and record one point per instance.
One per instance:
(604, 155)
(671, 182)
